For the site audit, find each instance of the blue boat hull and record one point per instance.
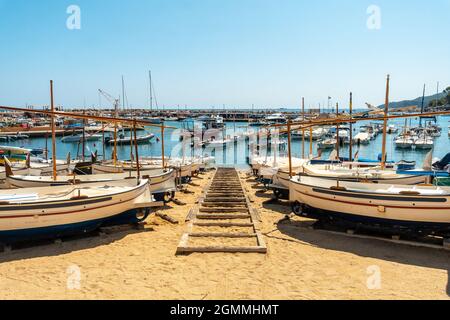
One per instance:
(53, 232)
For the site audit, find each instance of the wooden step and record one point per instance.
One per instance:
(223, 216)
(223, 209)
(222, 204)
(223, 224)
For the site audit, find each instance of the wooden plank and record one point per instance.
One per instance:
(223, 216)
(184, 240)
(221, 235)
(221, 209)
(223, 224)
(260, 240)
(222, 204)
(255, 249)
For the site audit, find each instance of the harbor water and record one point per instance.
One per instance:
(237, 153)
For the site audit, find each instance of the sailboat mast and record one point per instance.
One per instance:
(423, 105)
(83, 138)
(437, 93)
(151, 91)
(123, 94)
(116, 115)
(289, 147)
(303, 129)
(386, 110)
(138, 167)
(350, 158)
(337, 130)
(52, 106)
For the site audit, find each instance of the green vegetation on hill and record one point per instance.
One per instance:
(442, 101)
(429, 101)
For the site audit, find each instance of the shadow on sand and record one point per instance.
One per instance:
(371, 248)
(50, 248)
(276, 205)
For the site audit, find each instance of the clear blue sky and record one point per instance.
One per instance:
(212, 52)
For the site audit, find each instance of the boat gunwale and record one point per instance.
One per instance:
(63, 201)
(367, 193)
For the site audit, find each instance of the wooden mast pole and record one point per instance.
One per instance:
(162, 147)
(83, 138)
(386, 110)
(303, 130)
(289, 147)
(310, 139)
(52, 106)
(136, 152)
(116, 115)
(337, 130)
(350, 158)
(103, 141)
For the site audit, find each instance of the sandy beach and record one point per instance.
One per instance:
(300, 264)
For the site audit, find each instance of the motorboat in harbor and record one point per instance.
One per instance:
(317, 133)
(122, 140)
(276, 118)
(397, 209)
(424, 142)
(218, 143)
(361, 138)
(404, 142)
(328, 143)
(391, 129)
(79, 138)
(52, 212)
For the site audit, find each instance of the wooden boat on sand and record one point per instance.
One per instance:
(49, 212)
(396, 209)
(161, 181)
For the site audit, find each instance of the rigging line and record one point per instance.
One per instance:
(154, 96)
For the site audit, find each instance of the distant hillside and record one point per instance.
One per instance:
(416, 102)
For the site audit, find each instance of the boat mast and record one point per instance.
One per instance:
(136, 152)
(423, 105)
(386, 110)
(151, 93)
(289, 148)
(337, 130)
(162, 147)
(131, 133)
(84, 137)
(303, 129)
(351, 130)
(437, 94)
(52, 106)
(103, 141)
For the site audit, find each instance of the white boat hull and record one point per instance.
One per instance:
(364, 204)
(51, 212)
